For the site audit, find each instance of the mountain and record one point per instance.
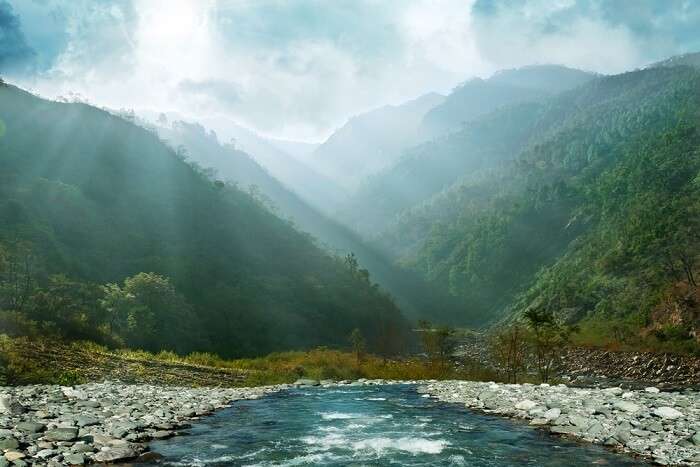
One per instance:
(89, 198)
(291, 171)
(417, 299)
(587, 206)
(691, 60)
(300, 150)
(373, 140)
(478, 97)
(471, 140)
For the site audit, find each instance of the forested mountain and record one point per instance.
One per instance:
(274, 157)
(414, 295)
(87, 198)
(372, 141)
(585, 204)
(466, 137)
(478, 97)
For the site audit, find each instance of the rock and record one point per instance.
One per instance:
(552, 414)
(86, 420)
(114, 454)
(9, 406)
(667, 412)
(596, 430)
(8, 443)
(4, 462)
(61, 434)
(652, 390)
(13, 456)
(539, 421)
(695, 439)
(579, 421)
(310, 382)
(162, 434)
(525, 405)
(563, 430)
(74, 459)
(30, 427)
(626, 406)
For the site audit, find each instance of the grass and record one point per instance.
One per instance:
(75, 363)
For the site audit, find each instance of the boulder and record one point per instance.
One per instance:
(13, 456)
(9, 406)
(30, 427)
(115, 454)
(626, 406)
(61, 434)
(74, 459)
(8, 443)
(552, 414)
(668, 413)
(309, 382)
(525, 405)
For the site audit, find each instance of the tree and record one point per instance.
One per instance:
(509, 347)
(17, 276)
(548, 338)
(438, 343)
(148, 313)
(358, 343)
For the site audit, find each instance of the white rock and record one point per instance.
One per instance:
(552, 414)
(668, 413)
(525, 405)
(652, 390)
(626, 406)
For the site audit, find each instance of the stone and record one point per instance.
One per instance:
(13, 456)
(86, 420)
(4, 462)
(162, 434)
(539, 421)
(310, 382)
(667, 413)
(626, 406)
(116, 453)
(61, 434)
(525, 405)
(8, 443)
(695, 439)
(9, 406)
(652, 390)
(579, 421)
(552, 414)
(74, 459)
(30, 427)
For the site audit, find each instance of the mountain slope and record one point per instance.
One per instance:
(594, 218)
(373, 140)
(417, 299)
(98, 199)
(478, 97)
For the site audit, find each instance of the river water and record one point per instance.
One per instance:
(368, 426)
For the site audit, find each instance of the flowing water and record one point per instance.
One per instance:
(370, 425)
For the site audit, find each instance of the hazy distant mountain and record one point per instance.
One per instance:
(692, 60)
(478, 97)
(372, 141)
(300, 150)
(288, 169)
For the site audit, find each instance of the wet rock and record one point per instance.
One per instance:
(309, 382)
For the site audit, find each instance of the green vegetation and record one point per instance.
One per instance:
(28, 361)
(584, 205)
(106, 234)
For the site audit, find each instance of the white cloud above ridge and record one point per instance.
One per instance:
(296, 69)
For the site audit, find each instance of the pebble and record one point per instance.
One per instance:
(645, 422)
(107, 422)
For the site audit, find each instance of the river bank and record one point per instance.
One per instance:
(661, 426)
(48, 425)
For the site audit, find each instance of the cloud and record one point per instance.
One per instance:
(597, 35)
(15, 53)
(299, 68)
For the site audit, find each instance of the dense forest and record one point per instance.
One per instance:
(106, 233)
(584, 203)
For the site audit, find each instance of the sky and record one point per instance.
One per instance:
(298, 69)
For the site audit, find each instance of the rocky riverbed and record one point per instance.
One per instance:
(661, 426)
(100, 422)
